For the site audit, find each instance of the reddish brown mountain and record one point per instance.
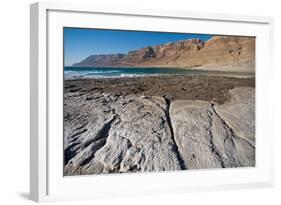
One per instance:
(218, 53)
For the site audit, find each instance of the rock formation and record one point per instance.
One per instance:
(218, 53)
(106, 132)
(213, 136)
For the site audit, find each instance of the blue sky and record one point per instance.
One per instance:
(80, 43)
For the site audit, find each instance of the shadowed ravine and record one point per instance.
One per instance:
(181, 161)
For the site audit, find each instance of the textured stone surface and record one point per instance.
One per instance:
(239, 113)
(113, 133)
(133, 136)
(205, 138)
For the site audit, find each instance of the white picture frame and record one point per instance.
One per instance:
(47, 182)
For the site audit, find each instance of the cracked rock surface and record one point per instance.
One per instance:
(216, 136)
(133, 136)
(109, 132)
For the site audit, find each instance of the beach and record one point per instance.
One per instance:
(157, 123)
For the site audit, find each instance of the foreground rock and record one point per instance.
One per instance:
(239, 113)
(133, 136)
(109, 132)
(214, 136)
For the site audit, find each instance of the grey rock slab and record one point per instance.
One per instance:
(135, 137)
(239, 113)
(106, 133)
(191, 121)
(205, 140)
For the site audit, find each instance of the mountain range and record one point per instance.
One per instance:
(218, 53)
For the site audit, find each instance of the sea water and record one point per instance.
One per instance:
(71, 72)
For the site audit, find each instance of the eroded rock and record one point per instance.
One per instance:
(207, 136)
(137, 138)
(114, 133)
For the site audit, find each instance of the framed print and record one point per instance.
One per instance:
(151, 101)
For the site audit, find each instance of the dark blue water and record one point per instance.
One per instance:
(106, 72)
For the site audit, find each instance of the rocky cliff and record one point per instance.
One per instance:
(218, 53)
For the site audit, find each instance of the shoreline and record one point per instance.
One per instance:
(243, 68)
(94, 76)
(250, 75)
(187, 87)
